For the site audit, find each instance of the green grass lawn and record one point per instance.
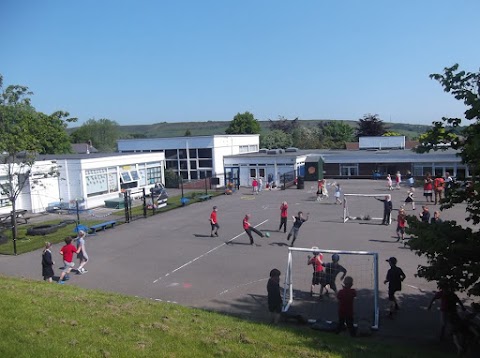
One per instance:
(27, 243)
(40, 319)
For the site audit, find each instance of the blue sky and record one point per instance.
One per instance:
(142, 62)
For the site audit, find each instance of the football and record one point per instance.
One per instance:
(267, 234)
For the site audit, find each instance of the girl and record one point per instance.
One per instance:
(398, 180)
(401, 221)
(47, 263)
(283, 217)
(428, 187)
(410, 198)
(389, 182)
(82, 255)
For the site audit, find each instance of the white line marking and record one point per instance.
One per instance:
(245, 284)
(204, 254)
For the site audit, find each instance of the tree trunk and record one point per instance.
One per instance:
(14, 227)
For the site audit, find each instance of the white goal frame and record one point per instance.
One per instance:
(346, 215)
(288, 286)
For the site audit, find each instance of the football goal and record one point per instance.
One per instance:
(362, 207)
(362, 266)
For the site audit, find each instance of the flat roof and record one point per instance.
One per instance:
(91, 155)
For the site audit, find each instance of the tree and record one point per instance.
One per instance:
(453, 251)
(188, 133)
(275, 139)
(24, 133)
(334, 134)
(103, 133)
(370, 125)
(243, 123)
(391, 134)
(284, 124)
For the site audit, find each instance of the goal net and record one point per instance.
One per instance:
(362, 266)
(363, 207)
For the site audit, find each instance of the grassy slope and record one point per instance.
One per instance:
(48, 320)
(210, 127)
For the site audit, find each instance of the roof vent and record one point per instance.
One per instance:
(263, 150)
(291, 149)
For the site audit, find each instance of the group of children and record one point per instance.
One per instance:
(326, 275)
(67, 252)
(322, 191)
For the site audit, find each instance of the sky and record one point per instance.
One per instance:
(144, 62)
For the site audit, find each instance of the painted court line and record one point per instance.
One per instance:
(206, 253)
(243, 285)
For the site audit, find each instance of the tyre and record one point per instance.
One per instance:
(42, 230)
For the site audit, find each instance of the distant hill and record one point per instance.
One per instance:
(178, 129)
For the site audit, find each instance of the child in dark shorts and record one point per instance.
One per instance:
(346, 298)
(274, 297)
(332, 269)
(394, 278)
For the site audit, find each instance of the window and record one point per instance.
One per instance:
(253, 148)
(193, 164)
(182, 153)
(205, 163)
(253, 173)
(192, 153)
(349, 169)
(243, 148)
(183, 164)
(172, 164)
(193, 175)
(97, 181)
(171, 154)
(154, 175)
(205, 153)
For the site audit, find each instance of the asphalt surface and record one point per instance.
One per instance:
(171, 257)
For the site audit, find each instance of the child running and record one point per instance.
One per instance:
(394, 278)
(82, 255)
(338, 193)
(317, 262)
(249, 228)
(297, 222)
(410, 198)
(401, 222)
(345, 297)
(67, 252)
(332, 269)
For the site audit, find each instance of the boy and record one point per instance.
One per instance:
(283, 217)
(297, 222)
(332, 269)
(274, 297)
(214, 222)
(346, 297)
(67, 251)
(425, 214)
(387, 209)
(249, 228)
(394, 278)
(317, 262)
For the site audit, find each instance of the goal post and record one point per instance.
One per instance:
(354, 207)
(362, 266)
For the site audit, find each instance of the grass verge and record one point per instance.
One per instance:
(49, 320)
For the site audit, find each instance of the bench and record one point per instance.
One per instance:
(6, 219)
(205, 197)
(101, 226)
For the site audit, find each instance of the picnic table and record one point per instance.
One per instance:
(6, 219)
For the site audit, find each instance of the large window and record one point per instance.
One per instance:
(97, 181)
(154, 175)
(205, 153)
(349, 169)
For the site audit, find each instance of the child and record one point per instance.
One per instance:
(67, 252)
(317, 262)
(398, 180)
(436, 218)
(401, 221)
(213, 222)
(274, 297)
(297, 222)
(389, 182)
(425, 214)
(394, 278)
(345, 298)
(410, 198)
(332, 269)
(249, 228)
(387, 209)
(338, 192)
(81, 252)
(448, 308)
(47, 263)
(283, 217)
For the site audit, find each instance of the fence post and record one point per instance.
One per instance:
(145, 204)
(206, 186)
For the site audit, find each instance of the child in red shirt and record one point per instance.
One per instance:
(249, 228)
(317, 262)
(346, 297)
(67, 251)
(214, 222)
